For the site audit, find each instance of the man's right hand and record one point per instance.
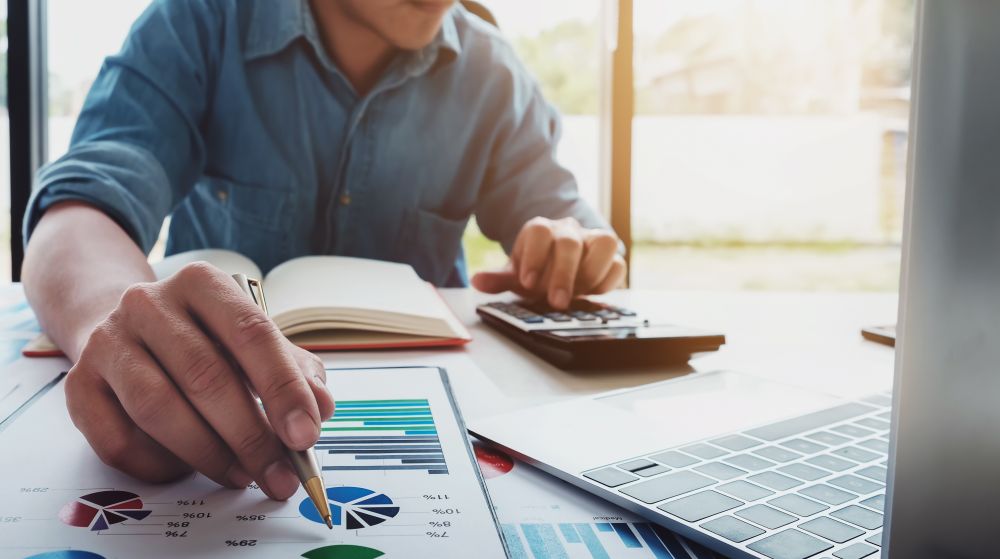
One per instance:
(165, 384)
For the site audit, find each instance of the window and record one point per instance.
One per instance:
(560, 43)
(769, 142)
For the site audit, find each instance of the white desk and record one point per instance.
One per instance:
(810, 339)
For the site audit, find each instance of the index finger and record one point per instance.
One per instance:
(258, 347)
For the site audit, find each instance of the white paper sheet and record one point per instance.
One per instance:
(544, 518)
(56, 497)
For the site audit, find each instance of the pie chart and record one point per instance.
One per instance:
(492, 462)
(103, 509)
(343, 552)
(353, 507)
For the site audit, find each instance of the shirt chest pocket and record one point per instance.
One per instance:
(430, 243)
(256, 221)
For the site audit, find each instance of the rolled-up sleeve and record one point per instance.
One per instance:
(136, 149)
(525, 179)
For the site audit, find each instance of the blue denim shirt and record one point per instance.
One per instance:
(230, 116)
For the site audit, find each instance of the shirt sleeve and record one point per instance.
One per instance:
(136, 149)
(524, 179)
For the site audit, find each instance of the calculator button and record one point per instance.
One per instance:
(583, 315)
(558, 317)
(532, 319)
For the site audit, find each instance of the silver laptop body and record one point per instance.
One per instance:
(753, 468)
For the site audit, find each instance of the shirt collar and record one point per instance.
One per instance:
(274, 24)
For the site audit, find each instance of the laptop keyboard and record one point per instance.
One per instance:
(811, 486)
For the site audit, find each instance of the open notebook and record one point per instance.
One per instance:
(334, 302)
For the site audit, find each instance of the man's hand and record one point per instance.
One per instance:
(558, 259)
(166, 384)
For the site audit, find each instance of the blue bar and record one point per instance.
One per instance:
(652, 542)
(431, 450)
(349, 439)
(423, 461)
(625, 533)
(398, 422)
(604, 527)
(437, 471)
(351, 405)
(398, 457)
(593, 544)
(355, 468)
(543, 541)
(671, 541)
(363, 413)
(421, 432)
(569, 533)
(514, 545)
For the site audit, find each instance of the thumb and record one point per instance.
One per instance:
(495, 282)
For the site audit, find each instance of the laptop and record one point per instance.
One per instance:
(754, 468)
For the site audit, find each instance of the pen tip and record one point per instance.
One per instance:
(329, 522)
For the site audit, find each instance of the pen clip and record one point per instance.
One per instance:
(253, 288)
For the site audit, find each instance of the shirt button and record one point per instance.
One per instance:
(345, 199)
(222, 195)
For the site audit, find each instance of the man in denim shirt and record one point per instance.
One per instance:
(279, 128)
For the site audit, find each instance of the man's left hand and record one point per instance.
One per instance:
(558, 259)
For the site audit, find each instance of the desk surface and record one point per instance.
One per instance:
(807, 339)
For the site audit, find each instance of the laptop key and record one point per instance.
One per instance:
(827, 494)
(667, 486)
(718, 470)
(852, 430)
(875, 539)
(790, 544)
(652, 471)
(612, 477)
(856, 551)
(732, 529)
(775, 481)
(702, 450)
(804, 446)
(798, 505)
(777, 454)
(877, 502)
(745, 490)
(856, 454)
(828, 438)
(808, 422)
(859, 517)
(874, 423)
(831, 463)
(878, 445)
(674, 459)
(803, 471)
(766, 516)
(828, 528)
(634, 465)
(856, 484)
(735, 442)
(748, 462)
(877, 473)
(700, 505)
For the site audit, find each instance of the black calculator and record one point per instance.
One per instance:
(595, 335)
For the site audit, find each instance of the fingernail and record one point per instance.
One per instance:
(281, 480)
(301, 429)
(239, 478)
(529, 279)
(560, 298)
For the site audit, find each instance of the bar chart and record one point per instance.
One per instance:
(600, 540)
(382, 435)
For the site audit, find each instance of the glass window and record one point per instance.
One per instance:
(769, 143)
(560, 43)
(4, 153)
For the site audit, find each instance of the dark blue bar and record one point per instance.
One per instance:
(423, 461)
(652, 542)
(437, 471)
(625, 533)
(352, 468)
(397, 457)
(671, 541)
(421, 450)
(370, 439)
